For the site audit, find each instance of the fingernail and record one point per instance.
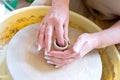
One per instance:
(56, 66)
(46, 52)
(47, 58)
(49, 62)
(39, 47)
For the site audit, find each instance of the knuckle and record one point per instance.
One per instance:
(60, 42)
(75, 49)
(85, 34)
(54, 19)
(61, 61)
(79, 37)
(42, 30)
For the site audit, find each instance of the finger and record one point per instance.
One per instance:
(41, 36)
(53, 59)
(54, 63)
(59, 62)
(59, 34)
(38, 32)
(65, 63)
(37, 42)
(66, 31)
(84, 50)
(48, 37)
(62, 54)
(37, 36)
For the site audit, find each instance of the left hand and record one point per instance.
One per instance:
(84, 44)
(56, 21)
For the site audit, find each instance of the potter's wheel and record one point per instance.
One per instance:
(24, 65)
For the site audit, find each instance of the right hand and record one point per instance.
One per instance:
(56, 21)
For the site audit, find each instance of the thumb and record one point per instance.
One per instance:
(78, 45)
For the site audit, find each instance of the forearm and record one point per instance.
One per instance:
(109, 36)
(60, 3)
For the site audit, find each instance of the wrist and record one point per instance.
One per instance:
(97, 40)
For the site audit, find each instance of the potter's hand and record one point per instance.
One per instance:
(55, 21)
(84, 44)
